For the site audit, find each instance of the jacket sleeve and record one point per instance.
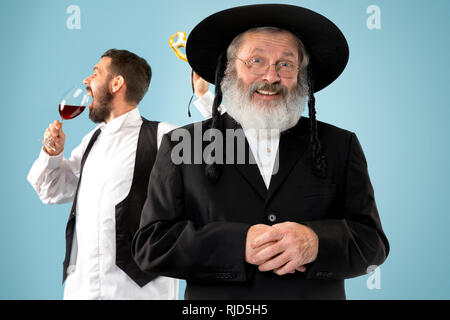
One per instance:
(348, 246)
(170, 242)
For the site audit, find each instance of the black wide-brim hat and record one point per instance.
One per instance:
(324, 42)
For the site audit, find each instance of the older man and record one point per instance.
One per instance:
(298, 216)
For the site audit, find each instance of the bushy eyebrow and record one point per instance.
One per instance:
(288, 54)
(285, 53)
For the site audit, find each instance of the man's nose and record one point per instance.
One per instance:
(271, 75)
(87, 81)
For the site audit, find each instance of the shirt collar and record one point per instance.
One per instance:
(115, 124)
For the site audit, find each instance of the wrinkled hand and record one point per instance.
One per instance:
(255, 232)
(200, 85)
(285, 248)
(56, 136)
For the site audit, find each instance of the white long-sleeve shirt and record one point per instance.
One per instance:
(107, 178)
(204, 105)
(264, 144)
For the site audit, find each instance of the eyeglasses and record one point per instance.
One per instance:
(259, 66)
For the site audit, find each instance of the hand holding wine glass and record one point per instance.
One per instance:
(56, 137)
(72, 105)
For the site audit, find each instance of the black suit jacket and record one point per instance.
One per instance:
(196, 230)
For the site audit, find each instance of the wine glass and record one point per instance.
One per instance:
(71, 105)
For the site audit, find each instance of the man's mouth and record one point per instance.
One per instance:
(91, 105)
(267, 93)
(89, 92)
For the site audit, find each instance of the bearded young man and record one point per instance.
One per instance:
(258, 230)
(106, 177)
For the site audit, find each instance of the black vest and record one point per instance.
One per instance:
(128, 212)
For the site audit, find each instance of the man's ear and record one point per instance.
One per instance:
(117, 83)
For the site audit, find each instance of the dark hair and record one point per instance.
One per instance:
(213, 171)
(135, 71)
(319, 160)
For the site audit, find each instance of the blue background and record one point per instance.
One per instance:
(392, 94)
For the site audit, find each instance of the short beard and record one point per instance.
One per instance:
(278, 115)
(102, 108)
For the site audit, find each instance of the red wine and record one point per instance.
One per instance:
(69, 112)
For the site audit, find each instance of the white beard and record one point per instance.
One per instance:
(269, 115)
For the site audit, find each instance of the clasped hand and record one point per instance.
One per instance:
(284, 248)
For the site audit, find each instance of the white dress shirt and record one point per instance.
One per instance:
(204, 105)
(263, 143)
(107, 178)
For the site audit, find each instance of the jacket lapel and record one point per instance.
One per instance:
(248, 168)
(293, 145)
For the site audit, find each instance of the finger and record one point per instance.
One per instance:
(267, 253)
(268, 236)
(49, 146)
(49, 141)
(56, 142)
(47, 133)
(301, 268)
(287, 268)
(55, 130)
(54, 126)
(51, 127)
(58, 125)
(274, 263)
(54, 133)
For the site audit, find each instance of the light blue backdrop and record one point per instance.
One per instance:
(393, 94)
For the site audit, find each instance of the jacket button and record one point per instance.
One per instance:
(272, 217)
